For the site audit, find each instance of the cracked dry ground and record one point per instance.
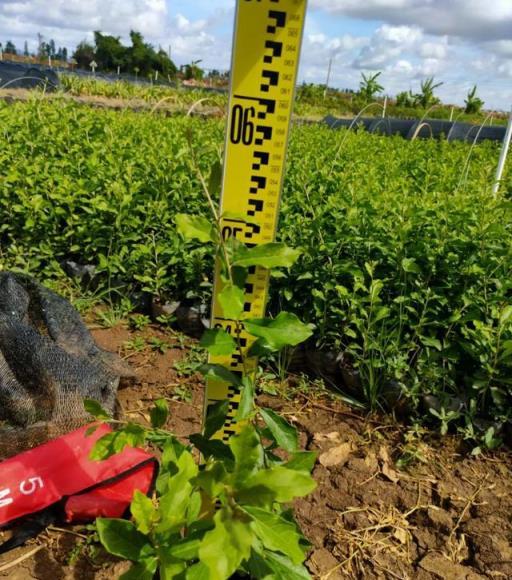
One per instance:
(446, 515)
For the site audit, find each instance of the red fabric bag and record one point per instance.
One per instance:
(60, 476)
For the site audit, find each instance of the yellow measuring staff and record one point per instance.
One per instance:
(266, 50)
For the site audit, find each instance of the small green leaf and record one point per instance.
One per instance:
(219, 373)
(432, 342)
(212, 479)
(274, 334)
(271, 255)
(176, 500)
(143, 512)
(159, 413)
(194, 508)
(276, 533)
(248, 393)
(218, 342)
(231, 300)
(170, 567)
(248, 452)
(121, 538)
(215, 418)
(198, 571)
(409, 265)
(143, 570)
(285, 435)
(185, 549)
(130, 436)
(284, 484)
(96, 410)
(212, 448)
(506, 315)
(283, 567)
(215, 181)
(302, 461)
(225, 547)
(195, 227)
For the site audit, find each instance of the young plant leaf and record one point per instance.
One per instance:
(283, 567)
(130, 436)
(215, 181)
(170, 567)
(284, 434)
(143, 512)
(226, 546)
(185, 549)
(248, 393)
(248, 452)
(159, 413)
(506, 315)
(271, 255)
(276, 533)
(198, 571)
(143, 570)
(218, 342)
(121, 538)
(302, 461)
(231, 299)
(215, 418)
(176, 500)
(219, 373)
(284, 484)
(274, 334)
(212, 448)
(96, 410)
(195, 227)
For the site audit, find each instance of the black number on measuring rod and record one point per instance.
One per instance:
(242, 128)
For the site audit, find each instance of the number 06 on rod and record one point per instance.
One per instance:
(266, 49)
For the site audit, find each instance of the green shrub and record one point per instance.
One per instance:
(406, 255)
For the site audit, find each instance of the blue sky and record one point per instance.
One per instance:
(460, 42)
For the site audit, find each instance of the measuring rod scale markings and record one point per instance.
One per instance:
(266, 50)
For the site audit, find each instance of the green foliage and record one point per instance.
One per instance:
(406, 99)
(369, 87)
(404, 269)
(473, 103)
(109, 53)
(426, 97)
(179, 529)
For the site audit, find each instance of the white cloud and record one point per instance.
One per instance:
(387, 45)
(438, 50)
(473, 19)
(188, 28)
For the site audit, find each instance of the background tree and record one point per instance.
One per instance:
(427, 98)
(473, 103)
(406, 99)
(25, 49)
(369, 88)
(192, 71)
(10, 48)
(84, 54)
(110, 53)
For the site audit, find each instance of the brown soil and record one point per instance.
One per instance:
(446, 516)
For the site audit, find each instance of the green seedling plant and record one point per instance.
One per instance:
(139, 321)
(232, 513)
